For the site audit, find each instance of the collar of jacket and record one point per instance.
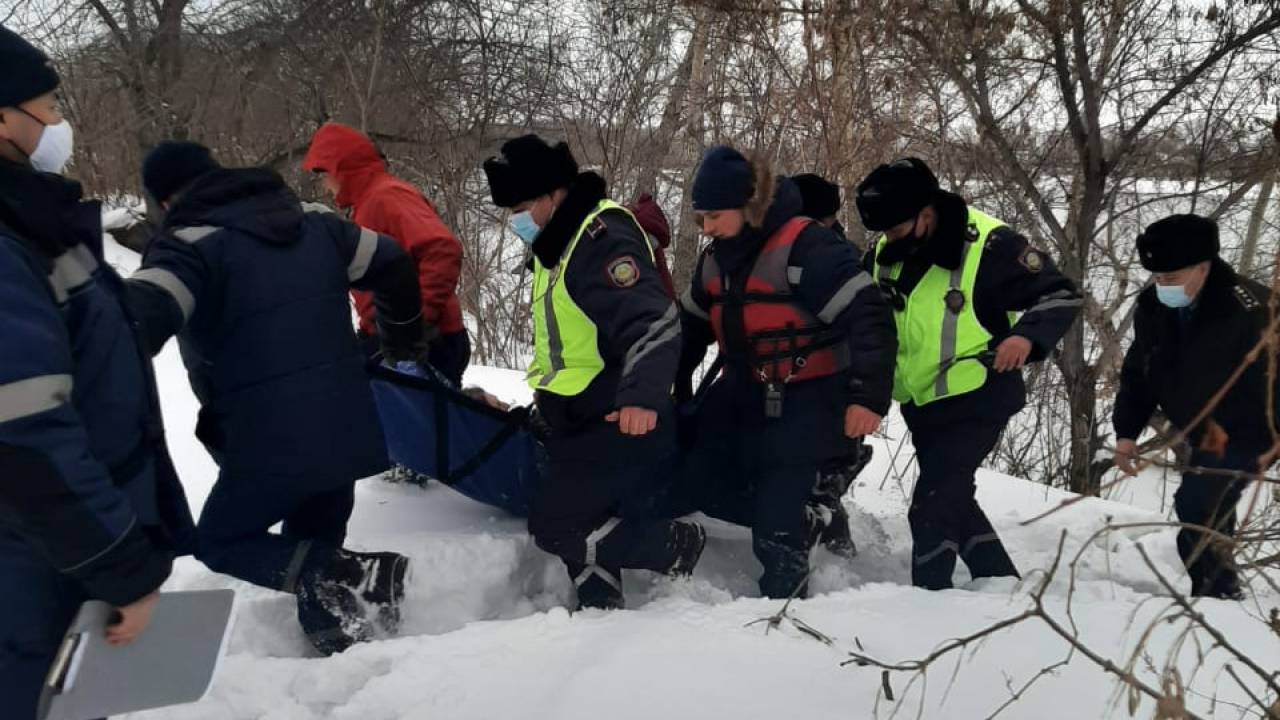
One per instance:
(41, 207)
(1217, 297)
(586, 192)
(946, 248)
(358, 183)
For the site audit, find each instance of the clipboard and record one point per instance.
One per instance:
(173, 662)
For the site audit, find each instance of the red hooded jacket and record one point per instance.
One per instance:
(654, 223)
(390, 206)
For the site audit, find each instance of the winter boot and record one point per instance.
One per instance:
(401, 475)
(598, 587)
(689, 540)
(836, 537)
(828, 520)
(351, 597)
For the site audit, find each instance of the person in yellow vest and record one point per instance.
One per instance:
(606, 343)
(974, 303)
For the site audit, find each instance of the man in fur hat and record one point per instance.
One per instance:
(606, 340)
(1194, 328)
(974, 303)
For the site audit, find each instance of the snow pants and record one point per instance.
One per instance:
(1209, 501)
(602, 505)
(761, 472)
(234, 529)
(952, 438)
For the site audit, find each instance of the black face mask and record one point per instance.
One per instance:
(904, 247)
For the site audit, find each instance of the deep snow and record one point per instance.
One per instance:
(486, 634)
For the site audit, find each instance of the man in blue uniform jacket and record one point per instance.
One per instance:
(90, 506)
(256, 289)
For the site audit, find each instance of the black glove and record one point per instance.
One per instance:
(406, 341)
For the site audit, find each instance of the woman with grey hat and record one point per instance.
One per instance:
(1194, 328)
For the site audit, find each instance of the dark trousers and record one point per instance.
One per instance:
(761, 472)
(952, 438)
(601, 505)
(1209, 501)
(39, 603)
(234, 536)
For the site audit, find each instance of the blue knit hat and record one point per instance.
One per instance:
(724, 180)
(27, 75)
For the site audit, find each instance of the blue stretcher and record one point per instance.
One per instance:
(491, 456)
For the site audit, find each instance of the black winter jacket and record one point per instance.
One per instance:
(637, 325)
(1013, 277)
(1180, 358)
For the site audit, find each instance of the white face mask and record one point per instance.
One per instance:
(53, 152)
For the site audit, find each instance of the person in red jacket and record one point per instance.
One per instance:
(658, 231)
(355, 174)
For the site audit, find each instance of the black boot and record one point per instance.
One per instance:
(689, 539)
(401, 475)
(836, 537)
(351, 597)
(598, 587)
(829, 521)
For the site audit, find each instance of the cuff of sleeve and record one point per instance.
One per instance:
(859, 394)
(637, 397)
(1127, 429)
(129, 570)
(1040, 349)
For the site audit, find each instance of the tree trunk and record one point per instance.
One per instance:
(1257, 217)
(659, 147)
(686, 240)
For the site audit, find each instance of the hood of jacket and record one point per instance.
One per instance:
(254, 201)
(350, 157)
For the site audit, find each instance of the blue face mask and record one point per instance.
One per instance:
(1174, 296)
(522, 224)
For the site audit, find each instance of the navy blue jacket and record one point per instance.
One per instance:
(86, 484)
(830, 272)
(258, 290)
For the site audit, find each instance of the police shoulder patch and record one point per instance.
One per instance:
(1031, 259)
(623, 271)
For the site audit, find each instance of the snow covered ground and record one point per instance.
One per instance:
(486, 634)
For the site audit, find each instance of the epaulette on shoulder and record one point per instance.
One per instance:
(1247, 299)
(597, 228)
